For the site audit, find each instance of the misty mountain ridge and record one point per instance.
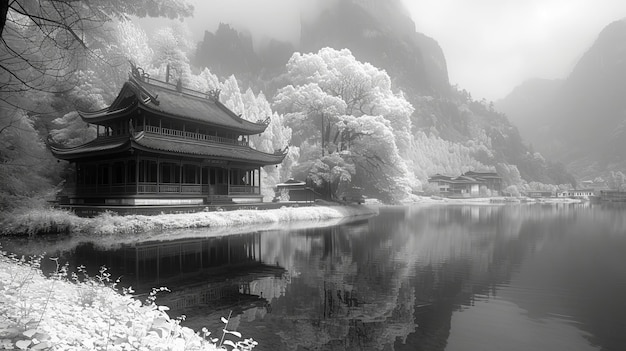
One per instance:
(580, 120)
(525, 106)
(379, 32)
(383, 34)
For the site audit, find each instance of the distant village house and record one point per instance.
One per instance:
(468, 184)
(539, 194)
(576, 193)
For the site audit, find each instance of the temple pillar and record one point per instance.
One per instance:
(109, 166)
(180, 176)
(228, 180)
(158, 175)
(137, 174)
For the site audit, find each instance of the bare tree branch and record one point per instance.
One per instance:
(43, 42)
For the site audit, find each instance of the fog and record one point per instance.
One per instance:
(491, 46)
(263, 20)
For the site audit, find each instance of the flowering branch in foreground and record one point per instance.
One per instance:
(63, 312)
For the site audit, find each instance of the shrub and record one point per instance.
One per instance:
(42, 313)
(38, 220)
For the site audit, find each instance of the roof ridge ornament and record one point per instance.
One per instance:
(138, 72)
(282, 151)
(265, 121)
(214, 94)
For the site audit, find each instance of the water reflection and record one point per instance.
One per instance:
(541, 277)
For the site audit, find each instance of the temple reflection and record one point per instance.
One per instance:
(215, 272)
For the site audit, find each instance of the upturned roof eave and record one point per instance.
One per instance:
(270, 159)
(75, 153)
(107, 114)
(250, 125)
(101, 148)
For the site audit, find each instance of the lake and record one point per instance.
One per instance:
(512, 277)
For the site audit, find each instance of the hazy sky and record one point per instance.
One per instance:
(493, 45)
(490, 45)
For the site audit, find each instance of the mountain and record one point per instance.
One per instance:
(581, 120)
(382, 33)
(379, 32)
(228, 51)
(526, 108)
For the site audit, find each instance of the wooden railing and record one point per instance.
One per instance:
(192, 135)
(173, 188)
(169, 188)
(244, 190)
(106, 189)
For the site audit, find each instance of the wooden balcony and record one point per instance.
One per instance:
(192, 135)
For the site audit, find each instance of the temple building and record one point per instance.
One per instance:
(160, 144)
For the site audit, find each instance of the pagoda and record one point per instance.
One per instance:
(159, 144)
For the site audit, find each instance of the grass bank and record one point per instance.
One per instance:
(37, 221)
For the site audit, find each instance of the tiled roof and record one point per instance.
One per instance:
(482, 174)
(163, 144)
(208, 150)
(465, 179)
(202, 109)
(440, 177)
(98, 146)
(162, 98)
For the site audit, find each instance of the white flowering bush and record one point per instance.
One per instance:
(36, 221)
(68, 312)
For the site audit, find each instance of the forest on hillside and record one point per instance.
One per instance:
(346, 123)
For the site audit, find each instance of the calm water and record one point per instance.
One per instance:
(530, 277)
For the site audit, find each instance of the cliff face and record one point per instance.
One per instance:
(582, 120)
(591, 107)
(228, 51)
(383, 34)
(526, 108)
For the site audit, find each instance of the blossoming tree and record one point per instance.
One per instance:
(350, 126)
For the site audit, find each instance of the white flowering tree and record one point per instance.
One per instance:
(348, 124)
(431, 155)
(132, 43)
(170, 61)
(231, 95)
